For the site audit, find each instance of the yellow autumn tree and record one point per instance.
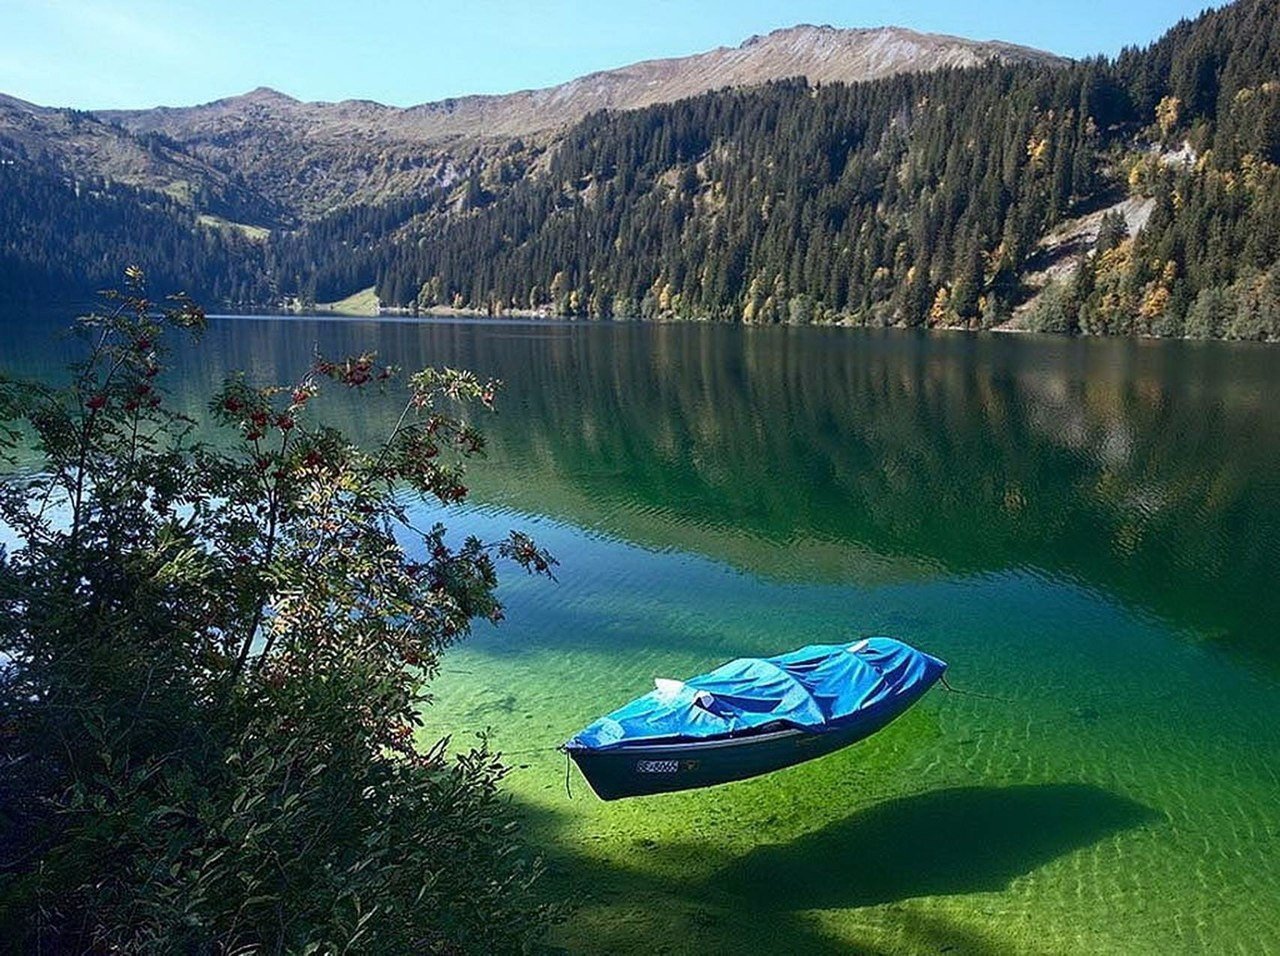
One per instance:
(1168, 112)
(940, 313)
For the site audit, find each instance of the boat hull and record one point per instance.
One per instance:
(635, 770)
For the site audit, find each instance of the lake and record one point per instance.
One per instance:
(1087, 531)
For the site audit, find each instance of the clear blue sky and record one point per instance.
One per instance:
(118, 53)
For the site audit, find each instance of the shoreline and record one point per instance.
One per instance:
(537, 316)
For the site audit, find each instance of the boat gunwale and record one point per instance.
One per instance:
(704, 744)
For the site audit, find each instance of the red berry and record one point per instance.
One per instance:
(97, 401)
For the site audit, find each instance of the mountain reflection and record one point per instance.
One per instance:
(1147, 471)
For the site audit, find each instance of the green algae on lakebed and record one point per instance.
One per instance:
(1077, 815)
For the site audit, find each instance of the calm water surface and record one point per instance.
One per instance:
(1088, 530)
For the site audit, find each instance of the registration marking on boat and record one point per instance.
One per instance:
(657, 766)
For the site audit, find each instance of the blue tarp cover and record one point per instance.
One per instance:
(817, 688)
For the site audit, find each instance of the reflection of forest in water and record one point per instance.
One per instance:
(1148, 471)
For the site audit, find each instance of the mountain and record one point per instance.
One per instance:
(943, 199)
(949, 183)
(312, 156)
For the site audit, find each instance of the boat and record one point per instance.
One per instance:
(751, 716)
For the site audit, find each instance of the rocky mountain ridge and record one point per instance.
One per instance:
(304, 159)
(821, 54)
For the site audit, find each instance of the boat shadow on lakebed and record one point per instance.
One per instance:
(697, 897)
(943, 842)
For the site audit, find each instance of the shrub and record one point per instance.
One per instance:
(1054, 310)
(1257, 307)
(1209, 314)
(215, 661)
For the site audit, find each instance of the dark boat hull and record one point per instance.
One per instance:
(642, 769)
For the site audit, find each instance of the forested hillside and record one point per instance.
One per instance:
(915, 200)
(928, 198)
(60, 237)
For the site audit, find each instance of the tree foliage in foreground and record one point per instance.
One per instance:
(215, 661)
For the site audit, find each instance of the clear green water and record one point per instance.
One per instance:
(1090, 530)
